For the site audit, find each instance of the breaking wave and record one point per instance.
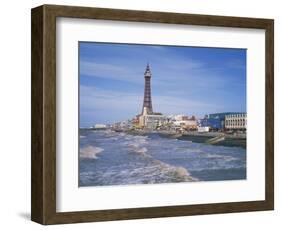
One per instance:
(217, 156)
(90, 152)
(157, 172)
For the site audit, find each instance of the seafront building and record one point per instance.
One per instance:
(99, 126)
(180, 117)
(151, 121)
(217, 121)
(204, 129)
(127, 124)
(214, 121)
(236, 121)
(184, 122)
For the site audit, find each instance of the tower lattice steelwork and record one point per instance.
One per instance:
(147, 102)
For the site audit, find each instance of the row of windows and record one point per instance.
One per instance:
(236, 115)
(236, 122)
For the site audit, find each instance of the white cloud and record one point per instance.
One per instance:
(164, 68)
(110, 71)
(94, 99)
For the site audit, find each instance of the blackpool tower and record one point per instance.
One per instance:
(147, 102)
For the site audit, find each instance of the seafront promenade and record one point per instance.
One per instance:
(212, 138)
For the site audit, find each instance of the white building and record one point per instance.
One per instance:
(190, 124)
(236, 121)
(184, 122)
(151, 121)
(203, 129)
(99, 126)
(180, 117)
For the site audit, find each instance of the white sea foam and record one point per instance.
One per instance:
(142, 151)
(177, 173)
(181, 172)
(90, 152)
(195, 150)
(137, 144)
(139, 150)
(225, 158)
(81, 136)
(154, 172)
(133, 144)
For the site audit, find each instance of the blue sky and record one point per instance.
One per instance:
(185, 80)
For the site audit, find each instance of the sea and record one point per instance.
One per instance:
(116, 158)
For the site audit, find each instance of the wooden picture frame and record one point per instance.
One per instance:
(43, 205)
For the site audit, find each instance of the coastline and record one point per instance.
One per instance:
(229, 140)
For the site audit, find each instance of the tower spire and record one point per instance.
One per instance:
(147, 67)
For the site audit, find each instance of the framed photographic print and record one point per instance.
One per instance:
(141, 114)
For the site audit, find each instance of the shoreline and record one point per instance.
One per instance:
(204, 138)
(228, 140)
